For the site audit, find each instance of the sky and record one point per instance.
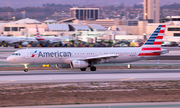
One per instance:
(31, 3)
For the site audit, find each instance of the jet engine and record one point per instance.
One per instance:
(24, 43)
(79, 64)
(63, 66)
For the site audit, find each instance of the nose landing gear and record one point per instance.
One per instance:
(26, 68)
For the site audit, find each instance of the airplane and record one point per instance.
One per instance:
(82, 58)
(11, 40)
(45, 39)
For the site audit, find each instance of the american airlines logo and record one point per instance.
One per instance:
(51, 54)
(54, 54)
(33, 55)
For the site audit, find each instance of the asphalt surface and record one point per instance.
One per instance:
(59, 76)
(113, 105)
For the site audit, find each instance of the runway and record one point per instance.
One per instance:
(113, 105)
(61, 76)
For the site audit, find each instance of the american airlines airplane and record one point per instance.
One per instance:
(45, 39)
(82, 58)
(11, 40)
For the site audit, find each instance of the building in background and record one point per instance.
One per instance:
(151, 11)
(103, 22)
(27, 27)
(85, 13)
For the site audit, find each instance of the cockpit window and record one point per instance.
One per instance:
(16, 54)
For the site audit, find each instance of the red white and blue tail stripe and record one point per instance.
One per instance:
(39, 37)
(152, 46)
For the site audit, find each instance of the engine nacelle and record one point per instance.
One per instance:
(24, 43)
(79, 64)
(63, 66)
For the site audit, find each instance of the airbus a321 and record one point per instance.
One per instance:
(45, 39)
(82, 58)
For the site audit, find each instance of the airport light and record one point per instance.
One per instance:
(24, 14)
(14, 18)
(9, 15)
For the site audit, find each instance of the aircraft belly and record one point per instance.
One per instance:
(48, 61)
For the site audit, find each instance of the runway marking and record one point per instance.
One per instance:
(7, 81)
(127, 79)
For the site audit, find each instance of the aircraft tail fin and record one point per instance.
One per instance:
(37, 31)
(152, 46)
(155, 40)
(39, 37)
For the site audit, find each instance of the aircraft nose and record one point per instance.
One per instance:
(9, 59)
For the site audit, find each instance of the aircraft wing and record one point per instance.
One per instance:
(11, 42)
(53, 41)
(101, 57)
(95, 59)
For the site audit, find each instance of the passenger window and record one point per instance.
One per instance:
(17, 54)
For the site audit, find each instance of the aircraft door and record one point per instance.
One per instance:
(30, 56)
(100, 53)
(26, 55)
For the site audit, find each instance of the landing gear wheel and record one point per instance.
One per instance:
(26, 67)
(93, 68)
(25, 70)
(83, 69)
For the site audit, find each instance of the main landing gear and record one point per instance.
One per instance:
(92, 68)
(26, 68)
(83, 69)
